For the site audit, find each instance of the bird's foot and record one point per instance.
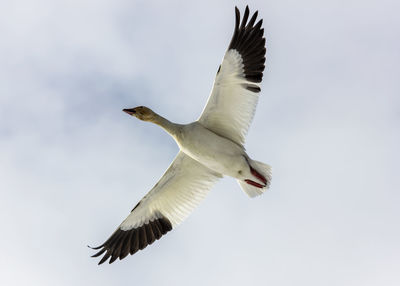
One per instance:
(258, 176)
(255, 184)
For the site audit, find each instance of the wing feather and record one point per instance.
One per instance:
(233, 100)
(182, 187)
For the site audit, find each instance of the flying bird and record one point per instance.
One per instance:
(211, 147)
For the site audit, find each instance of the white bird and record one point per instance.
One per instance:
(210, 147)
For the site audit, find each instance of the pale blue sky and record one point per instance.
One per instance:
(73, 165)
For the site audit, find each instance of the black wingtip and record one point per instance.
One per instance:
(105, 257)
(121, 242)
(99, 253)
(95, 248)
(248, 39)
(245, 17)
(253, 19)
(237, 17)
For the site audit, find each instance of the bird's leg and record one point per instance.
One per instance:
(258, 175)
(255, 184)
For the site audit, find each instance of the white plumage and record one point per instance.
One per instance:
(183, 186)
(211, 147)
(230, 107)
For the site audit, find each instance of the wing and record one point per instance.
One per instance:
(233, 99)
(182, 187)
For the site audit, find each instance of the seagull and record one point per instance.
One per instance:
(210, 148)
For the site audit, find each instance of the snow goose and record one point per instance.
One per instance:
(210, 147)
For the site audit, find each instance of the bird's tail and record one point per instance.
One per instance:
(260, 183)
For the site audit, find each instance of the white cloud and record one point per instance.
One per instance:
(73, 165)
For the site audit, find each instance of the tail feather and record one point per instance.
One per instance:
(250, 190)
(263, 169)
(254, 189)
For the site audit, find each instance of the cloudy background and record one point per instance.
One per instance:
(72, 165)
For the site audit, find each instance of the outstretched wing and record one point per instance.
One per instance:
(233, 99)
(182, 187)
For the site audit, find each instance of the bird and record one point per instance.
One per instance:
(210, 147)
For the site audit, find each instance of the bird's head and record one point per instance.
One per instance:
(141, 112)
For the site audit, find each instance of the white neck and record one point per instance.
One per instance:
(172, 128)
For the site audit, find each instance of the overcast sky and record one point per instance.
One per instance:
(72, 165)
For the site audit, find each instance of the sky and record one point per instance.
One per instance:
(72, 164)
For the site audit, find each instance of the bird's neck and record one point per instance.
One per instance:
(172, 128)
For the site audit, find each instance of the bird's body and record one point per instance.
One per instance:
(210, 148)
